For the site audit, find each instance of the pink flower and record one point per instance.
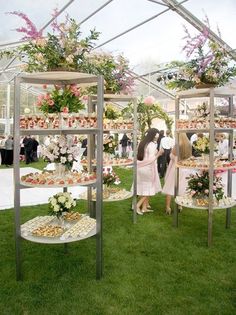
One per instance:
(199, 184)
(85, 97)
(50, 102)
(65, 109)
(149, 100)
(206, 191)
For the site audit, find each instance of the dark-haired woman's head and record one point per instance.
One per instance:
(151, 135)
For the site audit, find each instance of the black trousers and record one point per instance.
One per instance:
(3, 154)
(8, 157)
(163, 162)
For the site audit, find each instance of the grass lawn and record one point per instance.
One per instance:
(149, 267)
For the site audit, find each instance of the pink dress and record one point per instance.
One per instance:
(169, 186)
(148, 181)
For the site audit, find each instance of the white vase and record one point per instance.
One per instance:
(60, 169)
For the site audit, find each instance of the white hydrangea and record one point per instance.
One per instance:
(68, 205)
(53, 201)
(56, 208)
(61, 199)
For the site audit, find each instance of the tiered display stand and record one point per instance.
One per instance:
(211, 94)
(91, 153)
(60, 78)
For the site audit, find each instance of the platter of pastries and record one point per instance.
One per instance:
(203, 203)
(50, 179)
(201, 163)
(203, 123)
(110, 194)
(110, 162)
(47, 229)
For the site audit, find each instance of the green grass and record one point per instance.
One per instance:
(40, 165)
(149, 267)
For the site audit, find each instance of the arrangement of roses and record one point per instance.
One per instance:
(198, 185)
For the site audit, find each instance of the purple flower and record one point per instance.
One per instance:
(30, 30)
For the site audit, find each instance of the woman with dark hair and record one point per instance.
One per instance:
(148, 181)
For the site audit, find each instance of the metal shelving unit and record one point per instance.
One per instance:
(211, 94)
(115, 98)
(62, 78)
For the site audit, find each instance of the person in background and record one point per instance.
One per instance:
(9, 151)
(195, 153)
(84, 146)
(28, 145)
(223, 146)
(35, 144)
(160, 160)
(124, 143)
(185, 151)
(167, 143)
(22, 149)
(2, 149)
(148, 181)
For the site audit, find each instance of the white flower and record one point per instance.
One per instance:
(68, 205)
(56, 208)
(63, 150)
(70, 59)
(74, 203)
(70, 157)
(63, 160)
(53, 201)
(61, 199)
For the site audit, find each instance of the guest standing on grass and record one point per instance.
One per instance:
(9, 151)
(148, 181)
(185, 151)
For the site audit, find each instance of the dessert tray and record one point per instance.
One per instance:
(189, 202)
(110, 194)
(71, 121)
(48, 229)
(203, 123)
(201, 163)
(110, 162)
(50, 179)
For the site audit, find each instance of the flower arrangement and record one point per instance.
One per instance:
(147, 110)
(198, 186)
(202, 145)
(61, 150)
(60, 203)
(110, 178)
(61, 99)
(62, 49)
(203, 111)
(65, 49)
(111, 112)
(109, 145)
(210, 63)
(113, 68)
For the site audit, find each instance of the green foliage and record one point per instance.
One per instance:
(146, 113)
(111, 112)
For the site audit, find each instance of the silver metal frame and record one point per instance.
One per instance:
(211, 93)
(98, 132)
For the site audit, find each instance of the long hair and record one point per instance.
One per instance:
(185, 148)
(149, 137)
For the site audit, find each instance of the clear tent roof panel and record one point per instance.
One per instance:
(157, 41)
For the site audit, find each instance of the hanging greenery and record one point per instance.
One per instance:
(147, 110)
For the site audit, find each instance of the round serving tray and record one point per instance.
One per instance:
(192, 206)
(87, 183)
(128, 196)
(57, 240)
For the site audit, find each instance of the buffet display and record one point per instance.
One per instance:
(78, 225)
(47, 178)
(189, 201)
(203, 163)
(108, 161)
(204, 123)
(110, 194)
(71, 121)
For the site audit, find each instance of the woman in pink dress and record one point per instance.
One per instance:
(148, 181)
(185, 151)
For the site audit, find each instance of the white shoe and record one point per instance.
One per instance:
(138, 211)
